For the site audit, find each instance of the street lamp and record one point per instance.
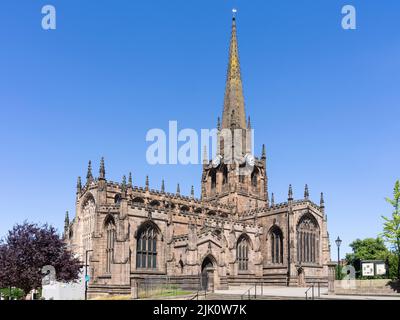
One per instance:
(86, 265)
(338, 243)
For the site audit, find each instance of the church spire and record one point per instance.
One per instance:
(89, 176)
(234, 113)
(102, 170)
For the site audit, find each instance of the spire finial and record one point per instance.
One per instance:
(162, 186)
(322, 202)
(130, 179)
(123, 185)
(219, 124)
(192, 192)
(290, 193)
(306, 193)
(234, 11)
(248, 123)
(147, 183)
(79, 185)
(272, 200)
(263, 152)
(89, 175)
(102, 170)
(178, 190)
(66, 220)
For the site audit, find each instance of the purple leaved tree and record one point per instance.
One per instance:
(27, 249)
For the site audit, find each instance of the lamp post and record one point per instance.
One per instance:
(338, 243)
(86, 265)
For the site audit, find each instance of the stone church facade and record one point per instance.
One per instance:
(234, 234)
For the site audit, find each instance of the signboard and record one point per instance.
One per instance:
(368, 269)
(371, 268)
(380, 269)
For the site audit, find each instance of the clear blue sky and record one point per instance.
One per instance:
(324, 101)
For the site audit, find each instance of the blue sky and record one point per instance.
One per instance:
(325, 101)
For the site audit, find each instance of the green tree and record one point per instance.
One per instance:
(367, 249)
(391, 226)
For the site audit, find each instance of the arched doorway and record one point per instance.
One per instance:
(207, 272)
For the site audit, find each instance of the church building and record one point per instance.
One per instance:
(233, 234)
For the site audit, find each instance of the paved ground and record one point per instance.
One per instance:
(293, 293)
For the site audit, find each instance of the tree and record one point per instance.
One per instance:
(367, 249)
(391, 226)
(27, 249)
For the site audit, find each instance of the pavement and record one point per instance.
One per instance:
(293, 293)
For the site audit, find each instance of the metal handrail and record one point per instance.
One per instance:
(312, 288)
(248, 291)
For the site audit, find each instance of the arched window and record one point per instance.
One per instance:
(146, 248)
(225, 175)
(213, 179)
(276, 245)
(185, 209)
(138, 200)
(308, 240)
(243, 253)
(117, 198)
(254, 178)
(110, 238)
(155, 203)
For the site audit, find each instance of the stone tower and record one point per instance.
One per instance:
(235, 176)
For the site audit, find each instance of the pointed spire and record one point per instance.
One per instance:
(192, 192)
(130, 179)
(102, 170)
(290, 193)
(306, 193)
(219, 124)
(178, 190)
(263, 153)
(322, 202)
(162, 186)
(234, 110)
(89, 175)
(79, 185)
(272, 200)
(248, 123)
(66, 220)
(147, 183)
(123, 185)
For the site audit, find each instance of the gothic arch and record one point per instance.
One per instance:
(184, 209)
(155, 203)
(117, 198)
(108, 219)
(246, 236)
(147, 237)
(242, 252)
(206, 259)
(138, 200)
(254, 177)
(308, 239)
(145, 225)
(275, 247)
(88, 197)
(109, 226)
